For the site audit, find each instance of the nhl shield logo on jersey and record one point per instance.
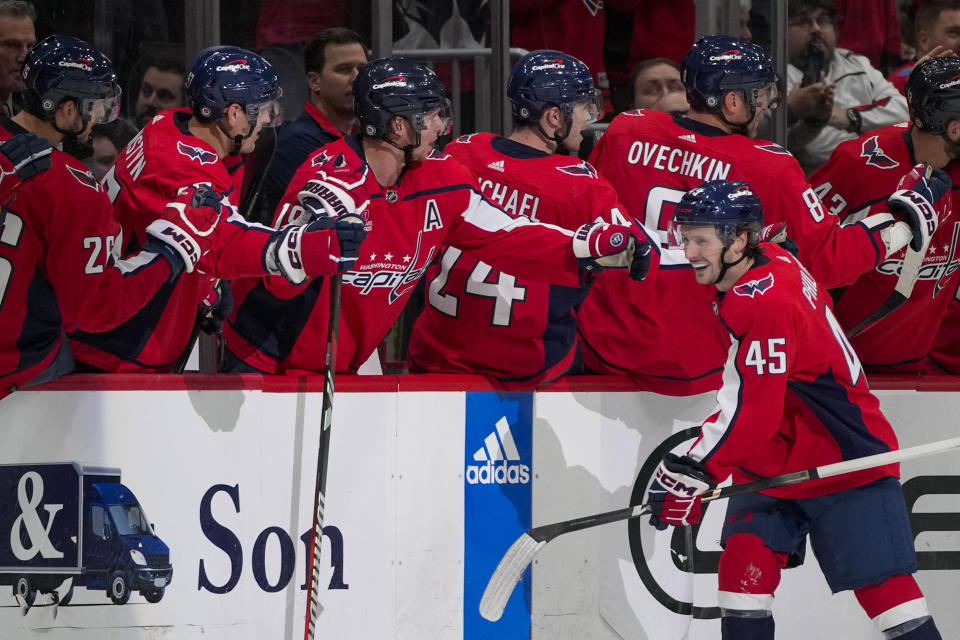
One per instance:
(581, 169)
(196, 153)
(875, 156)
(391, 196)
(754, 287)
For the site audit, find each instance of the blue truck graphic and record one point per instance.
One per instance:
(68, 520)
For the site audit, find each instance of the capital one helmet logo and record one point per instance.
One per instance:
(498, 461)
(730, 54)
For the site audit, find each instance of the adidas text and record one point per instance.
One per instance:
(501, 472)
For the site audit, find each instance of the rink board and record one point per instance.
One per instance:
(430, 479)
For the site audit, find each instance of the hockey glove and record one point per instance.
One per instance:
(297, 253)
(920, 194)
(332, 198)
(777, 234)
(675, 493)
(21, 157)
(600, 245)
(215, 308)
(186, 230)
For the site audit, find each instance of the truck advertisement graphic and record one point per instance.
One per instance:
(61, 521)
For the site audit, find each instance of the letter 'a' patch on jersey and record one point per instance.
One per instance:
(580, 169)
(196, 153)
(875, 156)
(754, 287)
(85, 178)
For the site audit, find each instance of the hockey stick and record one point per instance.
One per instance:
(909, 273)
(329, 371)
(520, 554)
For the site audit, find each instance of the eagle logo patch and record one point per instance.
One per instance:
(754, 287)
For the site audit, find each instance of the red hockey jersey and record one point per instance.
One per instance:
(668, 341)
(480, 320)
(856, 181)
(794, 395)
(59, 266)
(279, 328)
(161, 160)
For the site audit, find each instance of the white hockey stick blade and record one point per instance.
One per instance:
(506, 576)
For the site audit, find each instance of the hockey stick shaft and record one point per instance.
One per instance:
(521, 553)
(326, 416)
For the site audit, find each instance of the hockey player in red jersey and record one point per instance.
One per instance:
(60, 266)
(652, 159)
(233, 94)
(856, 182)
(477, 319)
(419, 202)
(794, 396)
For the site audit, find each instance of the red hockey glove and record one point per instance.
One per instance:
(921, 193)
(187, 228)
(321, 247)
(777, 234)
(600, 245)
(21, 157)
(675, 493)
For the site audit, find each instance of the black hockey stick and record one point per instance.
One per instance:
(329, 371)
(520, 554)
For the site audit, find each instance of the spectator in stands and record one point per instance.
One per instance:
(871, 28)
(657, 85)
(332, 58)
(17, 37)
(745, 6)
(834, 94)
(108, 140)
(937, 24)
(161, 88)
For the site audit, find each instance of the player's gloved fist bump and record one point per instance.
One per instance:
(674, 496)
(601, 245)
(914, 202)
(323, 246)
(24, 155)
(187, 227)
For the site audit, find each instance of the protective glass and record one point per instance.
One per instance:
(101, 110)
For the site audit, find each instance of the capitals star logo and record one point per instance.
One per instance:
(196, 153)
(875, 156)
(754, 287)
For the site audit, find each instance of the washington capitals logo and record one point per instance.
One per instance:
(754, 287)
(85, 178)
(196, 153)
(581, 169)
(465, 137)
(773, 148)
(875, 156)
(319, 159)
(593, 6)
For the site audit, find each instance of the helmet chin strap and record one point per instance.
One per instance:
(724, 265)
(407, 148)
(559, 137)
(238, 139)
